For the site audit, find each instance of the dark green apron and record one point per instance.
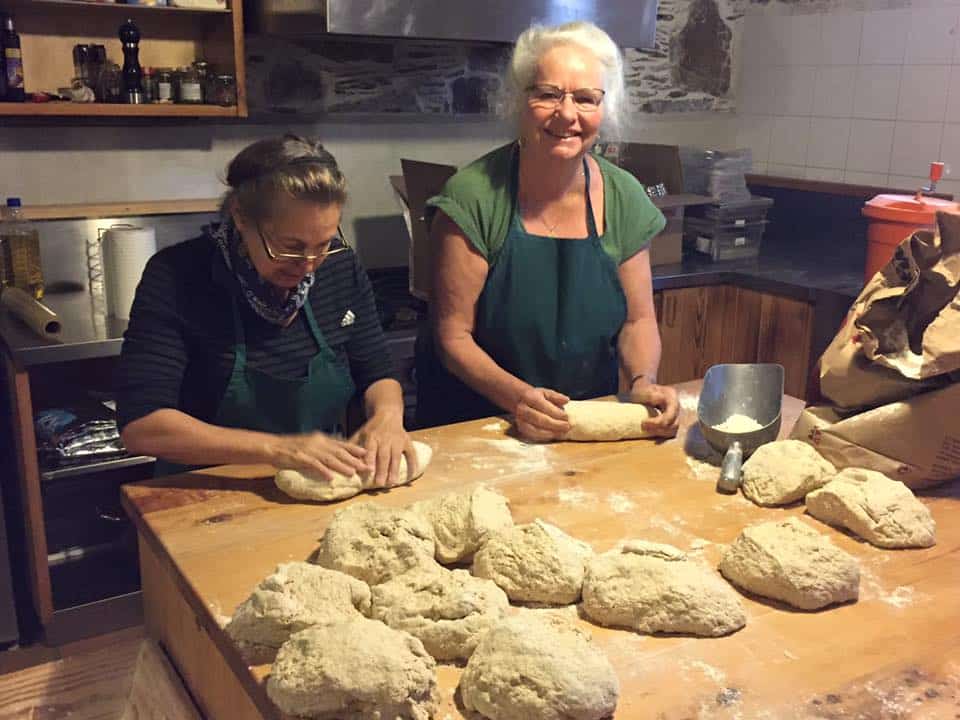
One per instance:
(549, 313)
(256, 400)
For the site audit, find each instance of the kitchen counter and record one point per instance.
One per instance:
(207, 538)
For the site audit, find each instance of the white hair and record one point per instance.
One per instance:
(533, 44)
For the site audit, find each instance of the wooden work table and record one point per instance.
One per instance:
(207, 538)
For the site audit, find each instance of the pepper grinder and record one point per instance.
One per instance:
(132, 73)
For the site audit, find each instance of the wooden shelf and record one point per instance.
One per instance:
(120, 209)
(104, 110)
(122, 7)
(836, 188)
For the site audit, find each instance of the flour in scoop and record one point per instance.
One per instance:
(737, 423)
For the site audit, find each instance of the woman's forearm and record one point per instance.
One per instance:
(639, 349)
(468, 361)
(179, 438)
(384, 397)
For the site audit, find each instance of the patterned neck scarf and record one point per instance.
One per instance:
(273, 304)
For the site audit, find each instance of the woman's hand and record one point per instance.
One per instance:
(662, 397)
(540, 416)
(317, 454)
(385, 441)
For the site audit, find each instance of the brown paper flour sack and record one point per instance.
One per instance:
(892, 372)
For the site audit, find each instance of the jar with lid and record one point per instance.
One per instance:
(149, 82)
(204, 72)
(222, 90)
(190, 91)
(164, 85)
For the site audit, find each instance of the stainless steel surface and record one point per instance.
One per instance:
(751, 389)
(75, 470)
(630, 23)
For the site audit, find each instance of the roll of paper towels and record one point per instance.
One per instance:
(126, 250)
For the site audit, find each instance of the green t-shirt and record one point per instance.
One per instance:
(479, 200)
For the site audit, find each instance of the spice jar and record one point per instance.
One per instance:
(164, 86)
(189, 89)
(222, 90)
(149, 82)
(202, 68)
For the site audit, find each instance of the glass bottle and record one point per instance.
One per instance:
(20, 242)
(12, 61)
(164, 84)
(190, 90)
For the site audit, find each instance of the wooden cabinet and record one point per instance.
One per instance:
(170, 37)
(703, 326)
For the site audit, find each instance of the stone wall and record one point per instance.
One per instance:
(690, 69)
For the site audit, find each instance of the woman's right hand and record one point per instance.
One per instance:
(540, 416)
(319, 455)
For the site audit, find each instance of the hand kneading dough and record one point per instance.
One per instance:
(787, 560)
(539, 668)
(354, 670)
(300, 486)
(461, 521)
(882, 511)
(654, 588)
(447, 611)
(600, 420)
(375, 543)
(784, 471)
(298, 595)
(534, 563)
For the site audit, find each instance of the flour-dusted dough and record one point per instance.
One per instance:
(539, 668)
(303, 487)
(882, 511)
(789, 561)
(375, 543)
(600, 420)
(537, 563)
(354, 670)
(462, 520)
(784, 471)
(296, 596)
(449, 611)
(653, 588)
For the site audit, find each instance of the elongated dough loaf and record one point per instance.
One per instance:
(302, 487)
(600, 420)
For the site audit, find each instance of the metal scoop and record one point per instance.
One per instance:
(751, 389)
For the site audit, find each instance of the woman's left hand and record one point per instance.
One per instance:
(386, 441)
(664, 398)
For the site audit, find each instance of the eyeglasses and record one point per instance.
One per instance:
(550, 96)
(337, 244)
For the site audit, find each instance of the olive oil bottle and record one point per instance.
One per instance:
(20, 251)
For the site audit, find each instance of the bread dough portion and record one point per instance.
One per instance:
(537, 563)
(654, 588)
(354, 670)
(539, 668)
(783, 472)
(882, 511)
(375, 543)
(462, 521)
(449, 611)
(296, 596)
(738, 423)
(789, 561)
(599, 420)
(304, 487)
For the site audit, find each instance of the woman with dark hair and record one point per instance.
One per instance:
(246, 344)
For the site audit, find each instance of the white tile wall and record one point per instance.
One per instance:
(866, 97)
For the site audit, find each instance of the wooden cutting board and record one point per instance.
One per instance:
(207, 538)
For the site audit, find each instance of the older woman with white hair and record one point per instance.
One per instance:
(542, 284)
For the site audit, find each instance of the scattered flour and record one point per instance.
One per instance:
(494, 427)
(738, 423)
(688, 402)
(521, 457)
(620, 503)
(872, 589)
(789, 655)
(671, 526)
(575, 496)
(703, 470)
(714, 673)
(902, 596)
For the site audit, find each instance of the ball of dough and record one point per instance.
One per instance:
(539, 668)
(787, 560)
(882, 511)
(296, 596)
(354, 670)
(304, 487)
(601, 420)
(784, 471)
(375, 543)
(448, 611)
(462, 521)
(534, 563)
(654, 588)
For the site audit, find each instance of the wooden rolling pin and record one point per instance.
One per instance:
(37, 316)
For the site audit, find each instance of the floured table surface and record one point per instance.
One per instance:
(893, 654)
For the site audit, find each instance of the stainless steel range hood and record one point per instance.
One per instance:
(631, 23)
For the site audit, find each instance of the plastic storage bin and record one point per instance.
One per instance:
(724, 241)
